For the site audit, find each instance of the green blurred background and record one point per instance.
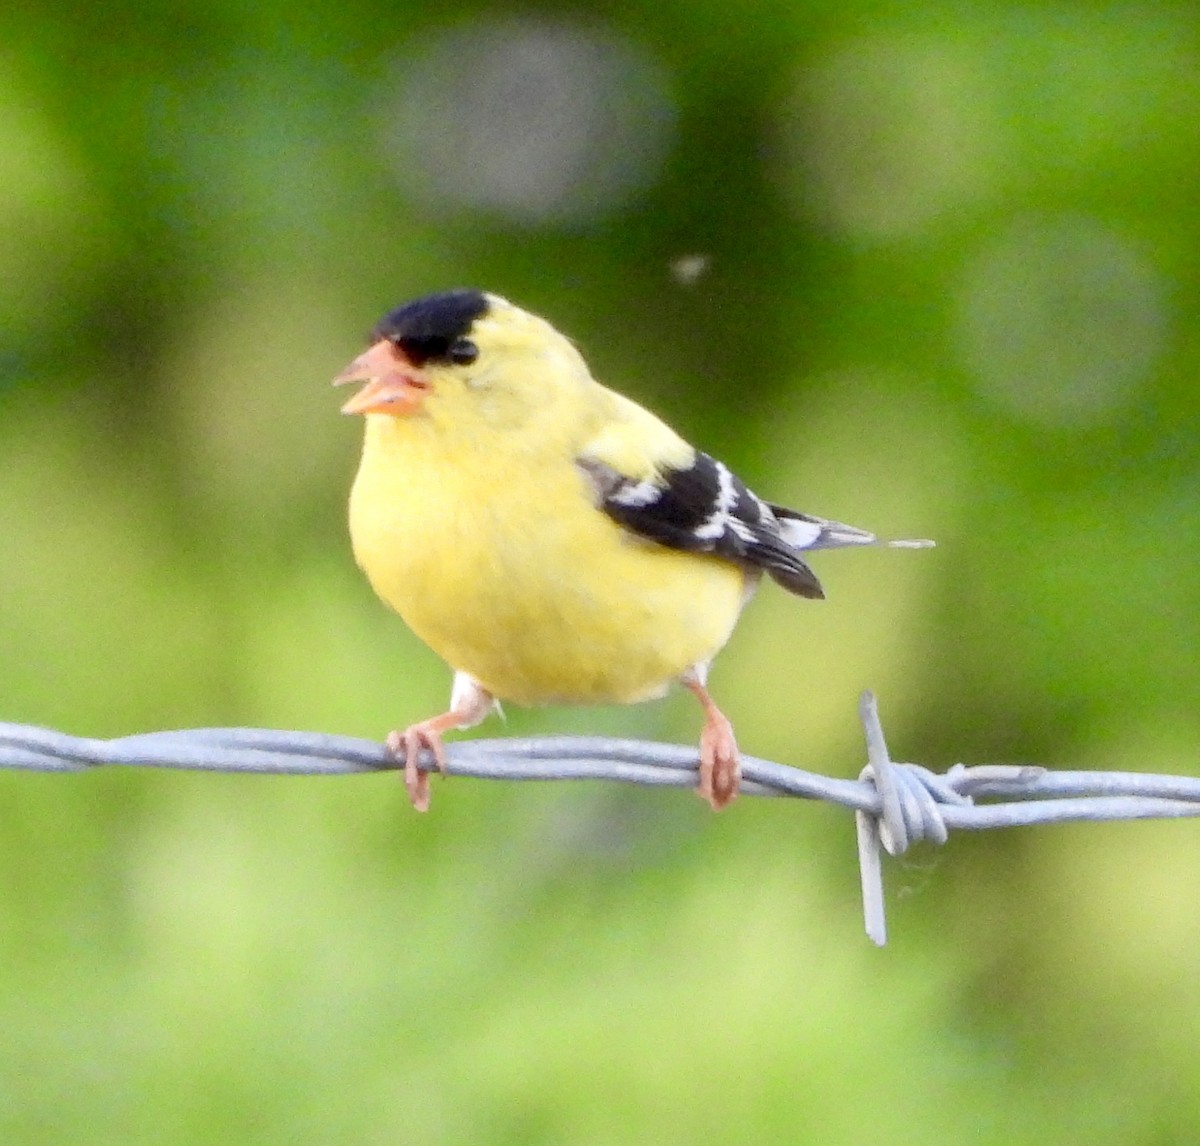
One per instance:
(928, 270)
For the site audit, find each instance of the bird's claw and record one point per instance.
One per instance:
(407, 746)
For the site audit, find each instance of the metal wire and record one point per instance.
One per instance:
(896, 805)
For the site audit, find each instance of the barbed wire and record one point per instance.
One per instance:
(896, 805)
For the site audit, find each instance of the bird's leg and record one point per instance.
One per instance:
(470, 702)
(720, 768)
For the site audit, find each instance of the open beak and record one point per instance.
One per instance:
(393, 385)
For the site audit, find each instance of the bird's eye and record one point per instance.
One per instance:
(463, 352)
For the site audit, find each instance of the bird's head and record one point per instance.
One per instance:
(460, 351)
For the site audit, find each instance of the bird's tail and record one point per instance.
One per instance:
(804, 531)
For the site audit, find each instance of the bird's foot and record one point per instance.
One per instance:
(720, 765)
(407, 746)
(470, 702)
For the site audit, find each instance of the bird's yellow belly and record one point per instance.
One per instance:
(539, 602)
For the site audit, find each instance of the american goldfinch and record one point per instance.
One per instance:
(551, 540)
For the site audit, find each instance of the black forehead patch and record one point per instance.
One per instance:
(426, 328)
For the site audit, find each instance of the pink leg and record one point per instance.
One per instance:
(720, 769)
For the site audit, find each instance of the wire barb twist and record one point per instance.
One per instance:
(896, 805)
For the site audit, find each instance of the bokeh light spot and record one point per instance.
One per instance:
(882, 135)
(535, 121)
(1060, 320)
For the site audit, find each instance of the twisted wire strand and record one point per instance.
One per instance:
(896, 805)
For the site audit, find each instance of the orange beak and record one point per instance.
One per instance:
(393, 384)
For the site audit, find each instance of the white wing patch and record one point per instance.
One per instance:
(636, 494)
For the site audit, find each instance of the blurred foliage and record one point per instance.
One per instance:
(949, 288)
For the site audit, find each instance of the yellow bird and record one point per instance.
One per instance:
(551, 540)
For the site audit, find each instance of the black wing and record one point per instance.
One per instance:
(706, 508)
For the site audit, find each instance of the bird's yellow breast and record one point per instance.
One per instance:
(503, 565)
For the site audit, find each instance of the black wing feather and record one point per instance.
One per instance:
(705, 508)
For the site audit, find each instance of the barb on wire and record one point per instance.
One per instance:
(895, 804)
